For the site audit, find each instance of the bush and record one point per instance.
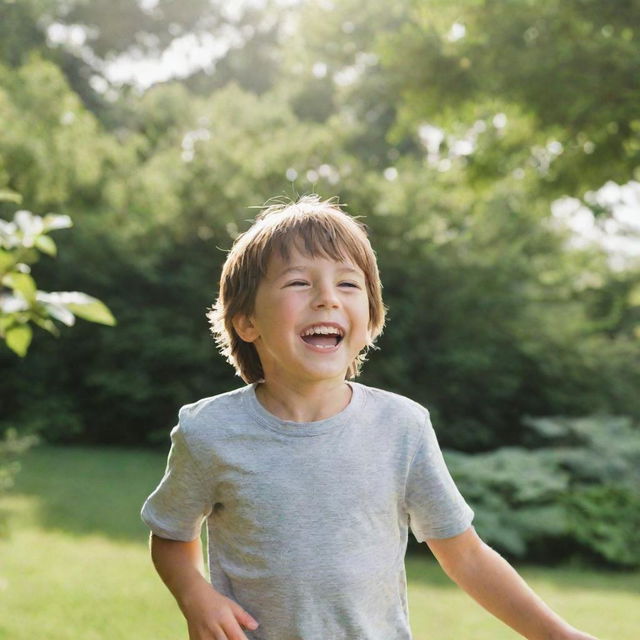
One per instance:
(577, 483)
(607, 520)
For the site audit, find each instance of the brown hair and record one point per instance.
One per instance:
(315, 228)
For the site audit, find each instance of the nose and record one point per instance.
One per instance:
(326, 297)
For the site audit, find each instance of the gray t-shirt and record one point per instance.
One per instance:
(307, 521)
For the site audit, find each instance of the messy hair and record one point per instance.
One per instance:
(315, 228)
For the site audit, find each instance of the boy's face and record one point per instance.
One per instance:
(311, 319)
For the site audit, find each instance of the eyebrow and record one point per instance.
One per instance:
(297, 269)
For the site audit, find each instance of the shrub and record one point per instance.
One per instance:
(577, 482)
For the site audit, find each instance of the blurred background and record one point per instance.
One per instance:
(493, 150)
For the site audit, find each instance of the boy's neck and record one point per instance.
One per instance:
(303, 404)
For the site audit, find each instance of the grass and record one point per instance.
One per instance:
(75, 564)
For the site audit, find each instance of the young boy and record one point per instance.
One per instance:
(308, 480)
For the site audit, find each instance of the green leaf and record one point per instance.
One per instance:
(46, 245)
(47, 325)
(5, 321)
(83, 305)
(7, 260)
(19, 338)
(22, 284)
(6, 195)
(95, 311)
(29, 256)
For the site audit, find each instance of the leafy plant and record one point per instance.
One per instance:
(22, 303)
(577, 484)
(607, 519)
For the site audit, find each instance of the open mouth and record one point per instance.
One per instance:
(323, 336)
(323, 341)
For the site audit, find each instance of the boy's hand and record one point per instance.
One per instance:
(495, 584)
(209, 614)
(212, 616)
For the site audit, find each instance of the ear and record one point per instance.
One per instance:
(245, 328)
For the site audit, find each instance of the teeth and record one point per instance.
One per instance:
(322, 329)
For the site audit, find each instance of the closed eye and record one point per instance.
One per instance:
(303, 283)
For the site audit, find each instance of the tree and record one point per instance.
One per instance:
(491, 314)
(84, 37)
(570, 66)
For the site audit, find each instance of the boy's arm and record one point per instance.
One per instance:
(209, 614)
(493, 582)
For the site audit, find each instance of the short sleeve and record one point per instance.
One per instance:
(435, 506)
(180, 503)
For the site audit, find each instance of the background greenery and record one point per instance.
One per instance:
(76, 564)
(454, 148)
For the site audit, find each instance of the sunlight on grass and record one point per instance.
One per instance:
(76, 567)
(59, 588)
(605, 604)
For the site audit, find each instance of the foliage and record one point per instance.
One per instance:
(607, 520)
(493, 312)
(21, 303)
(548, 59)
(576, 486)
(20, 242)
(170, 188)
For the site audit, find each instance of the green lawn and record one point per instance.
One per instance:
(75, 564)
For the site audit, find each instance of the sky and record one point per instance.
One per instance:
(186, 54)
(618, 235)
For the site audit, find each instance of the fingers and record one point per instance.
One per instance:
(233, 632)
(243, 617)
(219, 634)
(223, 631)
(219, 619)
(208, 632)
(230, 624)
